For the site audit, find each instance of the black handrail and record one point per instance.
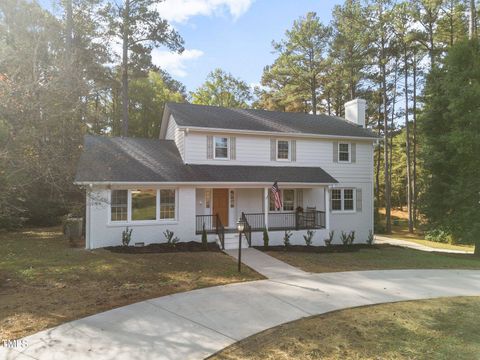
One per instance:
(247, 229)
(220, 231)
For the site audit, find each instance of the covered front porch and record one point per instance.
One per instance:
(303, 208)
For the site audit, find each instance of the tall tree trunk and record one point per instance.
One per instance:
(379, 158)
(392, 121)
(125, 36)
(314, 97)
(472, 23)
(414, 180)
(407, 129)
(68, 35)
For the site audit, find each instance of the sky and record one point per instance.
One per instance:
(234, 35)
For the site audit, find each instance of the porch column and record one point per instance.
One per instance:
(266, 204)
(327, 208)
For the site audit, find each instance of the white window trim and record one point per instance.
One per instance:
(289, 150)
(228, 148)
(281, 210)
(129, 221)
(349, 153)
(342, 201)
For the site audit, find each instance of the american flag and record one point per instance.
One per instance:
(277, 196)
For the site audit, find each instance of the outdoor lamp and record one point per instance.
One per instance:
(240, 225)
(240, 228)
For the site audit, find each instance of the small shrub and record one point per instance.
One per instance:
(345, 238)
(266, 238)
(286, 238)
(329, 241)
(308, 237)
(351, 237)
(439, 235)
(170, 239)
(370, 237)
(204, 238)
(126, 236)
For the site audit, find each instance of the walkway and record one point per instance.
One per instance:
(196, 324)
(266, 265)
(410, 244)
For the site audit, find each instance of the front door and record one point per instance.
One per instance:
(220, 205)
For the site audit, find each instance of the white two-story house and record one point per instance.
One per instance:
(213, 165)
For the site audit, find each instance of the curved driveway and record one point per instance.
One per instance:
(196, 324)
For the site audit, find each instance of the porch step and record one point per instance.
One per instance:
(231, 242)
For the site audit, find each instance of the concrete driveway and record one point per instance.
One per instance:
(379, 239)
(196, 324)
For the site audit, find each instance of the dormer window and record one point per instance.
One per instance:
(221, 147)
(283, 150)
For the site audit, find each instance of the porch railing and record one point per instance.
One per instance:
(287, 220)
(213, 225)
(247, 230)
(305, 220)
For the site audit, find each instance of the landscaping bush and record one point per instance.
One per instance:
(370, 237)
(204, 238)
(351, 238)
(286, 238)
(126, 236)
(328, 241)
(439, 235)
(308, 237)
(170, 239)
(266, 238)
(345, 238)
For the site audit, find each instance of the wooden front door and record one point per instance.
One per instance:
(220, 205)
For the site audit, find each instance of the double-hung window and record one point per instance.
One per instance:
(344, 152)
(119, 205)
(288, 200)
(143, 205)
(342, 200)
(283, 150)
(167, 204)
(221, 147)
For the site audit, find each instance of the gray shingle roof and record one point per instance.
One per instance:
(262, 120)
(114, 159)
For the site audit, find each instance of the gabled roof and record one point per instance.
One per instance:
(215, 117)
(116, 159)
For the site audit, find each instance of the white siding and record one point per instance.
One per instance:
(104, 233)
(255, 150)
(174, 133)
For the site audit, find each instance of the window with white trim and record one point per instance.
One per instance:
(288, 200)
(283, 150)
(343, 199)
(144, 204)
(119, 205)
(220, 147)
(344, 152)
(167, 204)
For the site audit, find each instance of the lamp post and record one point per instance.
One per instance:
(240, 228)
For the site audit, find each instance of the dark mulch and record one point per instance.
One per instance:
(318, 249)
(191, 246)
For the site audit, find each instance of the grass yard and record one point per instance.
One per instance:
(44, 282)
(381, 257)
(445, 328)
(400, 231)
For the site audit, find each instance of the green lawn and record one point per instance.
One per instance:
(384, 257)
(44, 282)
(445, 328)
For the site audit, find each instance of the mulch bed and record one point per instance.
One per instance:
(191, 246)
(318, 249)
